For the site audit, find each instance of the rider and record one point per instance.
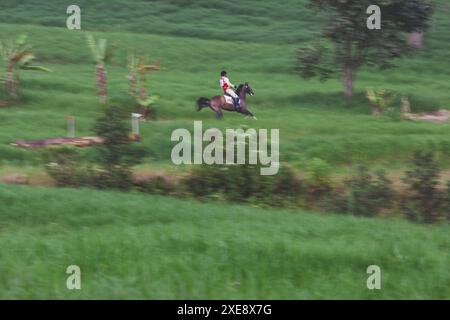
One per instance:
(228, 87)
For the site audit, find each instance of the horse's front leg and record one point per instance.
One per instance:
(247, 113)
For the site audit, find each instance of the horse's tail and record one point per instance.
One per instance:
(202, 103)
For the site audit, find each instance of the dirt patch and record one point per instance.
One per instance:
(437, 116)
(79, 142)
(151, 177)
(14, 178)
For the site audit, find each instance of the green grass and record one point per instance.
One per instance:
(314, 119)
(136, 246)
(250, 20)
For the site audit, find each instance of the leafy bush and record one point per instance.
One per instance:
(205, 180)
(368, 193)
(365, 194)
(318, 180)
(117, 154)
(380, 100)
(155, 184)
(63, 165)
(393, 113)
(424, 202)
(243, 183)
(114, 160)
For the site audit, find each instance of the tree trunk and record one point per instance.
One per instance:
(101, 81)
(415, 39)
(348, 76)
(10, 81)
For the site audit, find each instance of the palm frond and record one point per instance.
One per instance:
(101, 47)
(93, 46)
(23, 57)
(148, 101)
(35, 68)
(21, 40)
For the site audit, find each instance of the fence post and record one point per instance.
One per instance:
(135, 123)
(70, 126)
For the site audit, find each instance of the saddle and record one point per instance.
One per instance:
(230, 100)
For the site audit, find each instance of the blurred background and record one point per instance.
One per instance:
(364, 149)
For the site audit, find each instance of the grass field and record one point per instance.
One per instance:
(140, 246)
(127, 248)
(314, 119)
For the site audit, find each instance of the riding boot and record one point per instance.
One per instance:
(237, 102)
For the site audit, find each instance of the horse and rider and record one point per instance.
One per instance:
(232, 100)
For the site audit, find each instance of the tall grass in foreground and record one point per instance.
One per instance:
(134, 246)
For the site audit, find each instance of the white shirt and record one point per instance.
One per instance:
(225, 83)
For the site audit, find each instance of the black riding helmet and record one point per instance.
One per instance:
(223, 73)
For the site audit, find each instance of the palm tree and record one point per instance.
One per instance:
(137, 72)
(17, 56)
(101, 54)
(380, 99)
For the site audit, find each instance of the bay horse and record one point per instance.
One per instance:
(219, 103)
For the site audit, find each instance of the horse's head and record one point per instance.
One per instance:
(247, 89)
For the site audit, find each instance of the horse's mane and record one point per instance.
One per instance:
(239, 89)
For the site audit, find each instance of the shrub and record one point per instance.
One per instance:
(393, 113)
(368, 193)
(62, 164)
(155, 184)
(424, 202)
(286, 188)
(206, 180)
(318, 180)
(335, 201)
(380, 99)
(365, 194)
(243, 183)
(117, 154)
(114, 160)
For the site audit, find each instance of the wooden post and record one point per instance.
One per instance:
(70, 126)
(135, 118)
(135, 122)
(406, 107)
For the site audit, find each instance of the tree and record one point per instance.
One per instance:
(101, 54)
(138, 68)
(347, 43)
(380, 99)
(117, 154)
(17, 56)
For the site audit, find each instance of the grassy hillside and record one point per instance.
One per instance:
(138, 246)
(134, 246)
(250, 20)
(314, 119)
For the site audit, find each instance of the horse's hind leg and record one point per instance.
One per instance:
(218, 111)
